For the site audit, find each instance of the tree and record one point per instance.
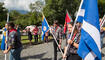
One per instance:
(36, 10)
(3, 15)
(37, 6)
(101, 5)
(56, 9)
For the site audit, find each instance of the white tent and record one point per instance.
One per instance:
(31, 27)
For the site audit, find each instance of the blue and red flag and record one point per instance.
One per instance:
(68, 19)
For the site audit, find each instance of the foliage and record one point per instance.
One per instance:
(52, 9)
(31, 18)
(3, 14)
(56, 9)
(37, 6)
(101, 6)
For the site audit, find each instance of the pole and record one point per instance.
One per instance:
(53, 36)
(74, 24)
(6, 35)
(102, 22)
(56, 42)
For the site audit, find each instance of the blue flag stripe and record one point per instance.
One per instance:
(45, 27)
(3, 40)
(90, 32)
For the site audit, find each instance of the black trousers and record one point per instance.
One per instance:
(73, 57)
(36, 38)
(46, 38)
(55, 49)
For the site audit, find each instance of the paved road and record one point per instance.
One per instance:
(103, 50)
(42, 52)
(37, 52)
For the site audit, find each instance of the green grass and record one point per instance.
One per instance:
(24, 40)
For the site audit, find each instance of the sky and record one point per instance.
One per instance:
(18, 4)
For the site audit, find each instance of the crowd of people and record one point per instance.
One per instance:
(70, 51)
(36, 32)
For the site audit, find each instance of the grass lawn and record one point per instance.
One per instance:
(24, 40)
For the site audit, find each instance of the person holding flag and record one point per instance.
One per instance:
(73, 41)
(14, 43)
(57, 32)
(73, 44)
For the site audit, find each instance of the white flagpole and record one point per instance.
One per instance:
(74, 24)
(102, 22)
(53, 35)
(56, 41)
(6, 35)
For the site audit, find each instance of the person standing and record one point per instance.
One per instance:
(35, 32)
(18, 31)
(14, 43)
(29, 36)
(46, 36)
(68, 33)
(56, 31)
(73, 44)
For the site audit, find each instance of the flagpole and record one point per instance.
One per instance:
(54, 37)
(56, 41)
(74, 24)
(6, 35)
(102, 22)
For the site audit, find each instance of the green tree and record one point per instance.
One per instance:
(56, 9)
(36, 11)
(101, 6)
(37, 6)
(3, 15)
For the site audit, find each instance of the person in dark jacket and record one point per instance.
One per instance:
(29, 36)
(73, 44)
(57, 32)
(14, 43)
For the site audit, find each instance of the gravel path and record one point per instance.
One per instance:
(42, 52)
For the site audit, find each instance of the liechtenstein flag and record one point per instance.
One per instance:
(45, 27)
(68, 19)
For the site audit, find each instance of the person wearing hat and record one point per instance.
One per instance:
(57, 32)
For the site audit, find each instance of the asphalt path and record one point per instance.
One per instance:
(42, 51)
